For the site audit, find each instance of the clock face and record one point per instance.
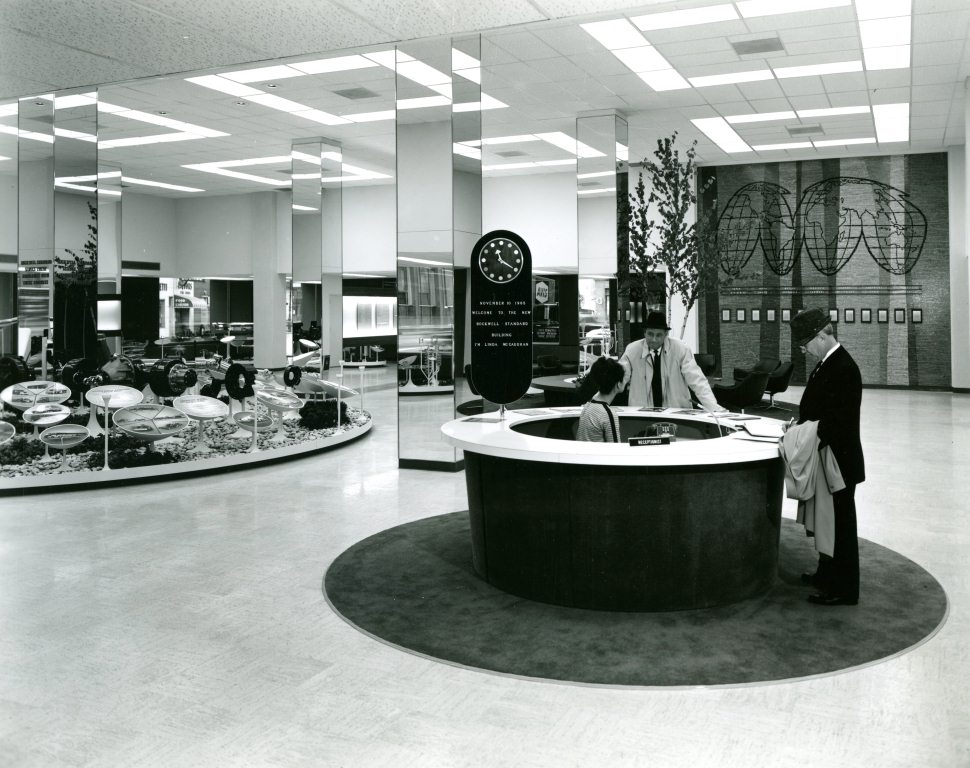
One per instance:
(500, 260)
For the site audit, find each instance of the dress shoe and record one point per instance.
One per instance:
(822, 598)
(809, 578)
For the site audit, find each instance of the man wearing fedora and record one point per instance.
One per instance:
(678, 372)
(832, 397)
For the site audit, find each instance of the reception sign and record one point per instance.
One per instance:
(501, 316)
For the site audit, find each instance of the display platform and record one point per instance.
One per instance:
(689, 524)
(203, 448)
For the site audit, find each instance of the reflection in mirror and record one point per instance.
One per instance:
(601, 188)
(425, 249)
(467, 173)
(8, 230)
(76, 229)
(109, 256)
(35, 230)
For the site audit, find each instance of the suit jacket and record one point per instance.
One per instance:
(678, 371)
(833, 397)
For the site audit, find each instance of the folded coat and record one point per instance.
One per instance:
(812, 476)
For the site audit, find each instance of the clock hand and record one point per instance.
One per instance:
(503, 262)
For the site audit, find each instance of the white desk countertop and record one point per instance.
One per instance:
(497, 438)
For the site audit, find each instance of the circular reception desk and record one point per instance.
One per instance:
(612, 526)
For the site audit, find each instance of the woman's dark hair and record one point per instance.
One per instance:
(606, 373)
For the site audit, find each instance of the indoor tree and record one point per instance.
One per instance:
(676, 240)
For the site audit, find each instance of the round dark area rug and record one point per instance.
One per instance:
(414, 586)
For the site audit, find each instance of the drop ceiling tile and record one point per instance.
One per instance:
(718, 94)
(935, 27)
(524, 46)
(24, 57)
(852, 81)
(917, 120)
(928, 93)
(842, 46)
(849, 98)
(828, 29)
(810, 101)
(802, 86)
(889, 78)
(714, 34)
(944, 73)
(767, 89)
(934, 107)
(559, 8)
(934, 135)
(770, 105)
(940, 52)
(599, 63)
(558, 68)
(688, 61)
(519, 73)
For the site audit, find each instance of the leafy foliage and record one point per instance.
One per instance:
(322, 415)
(19, 450)
(687, 249)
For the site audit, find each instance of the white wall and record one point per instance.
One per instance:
(148, 231)
(542, 209)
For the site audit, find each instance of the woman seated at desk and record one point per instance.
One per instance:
(598, 423)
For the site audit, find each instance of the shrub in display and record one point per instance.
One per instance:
(20, 450)
(322, 415)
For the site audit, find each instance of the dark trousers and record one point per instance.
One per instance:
(839, 575)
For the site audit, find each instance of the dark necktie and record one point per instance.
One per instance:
(815, 370)
(655, 384)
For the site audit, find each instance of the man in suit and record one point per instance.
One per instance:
(832, 397)
(679, 373)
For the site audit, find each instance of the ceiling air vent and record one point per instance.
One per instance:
(804, 130)
(511, 153)
(760, 45)
(356, 94)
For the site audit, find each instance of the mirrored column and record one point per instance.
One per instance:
(76, 228)
(466, 156)
(602, 235)
(8, 229)
(425, 250)
(316, 300)
(109, 256)
(35, 230)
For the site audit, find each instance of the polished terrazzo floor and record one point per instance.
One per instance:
(184, 624)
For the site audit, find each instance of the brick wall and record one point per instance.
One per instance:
(864, 236)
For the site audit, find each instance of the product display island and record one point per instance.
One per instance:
(692, 523)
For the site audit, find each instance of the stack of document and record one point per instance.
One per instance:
(767, 430)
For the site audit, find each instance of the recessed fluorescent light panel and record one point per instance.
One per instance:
(732, 77)
(686, 18)
(643, 58)
(664, 80)
(885, 28)
(881, 9)
(760, 117)
(753, 8)
(722, 134)
(336, 64)
(843, 142)
(833, 111)
(888, 57)
(615, 34)
(836, 68)
(789, 145)
(892, 122)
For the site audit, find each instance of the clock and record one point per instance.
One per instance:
(500, 260)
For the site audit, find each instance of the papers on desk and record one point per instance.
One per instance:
(535, 411)
(771, 431)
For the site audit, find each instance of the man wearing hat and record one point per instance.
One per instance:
(678, 373)
(832, 397)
